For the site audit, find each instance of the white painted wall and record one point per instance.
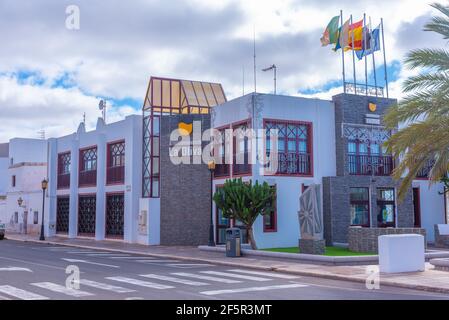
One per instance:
(321, 114)
(432, 206)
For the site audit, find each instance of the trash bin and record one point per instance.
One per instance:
(233, 242)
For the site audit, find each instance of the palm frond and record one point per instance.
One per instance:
(437, 59)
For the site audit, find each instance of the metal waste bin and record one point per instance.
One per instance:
(233, 242)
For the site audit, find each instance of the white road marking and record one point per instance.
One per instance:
(33, 263)
(233, 275)
(15, 269)
(106, 255)
(89, 262)
(203, 277)
(117, 257)
(105, 286)
(189, 265)
(21, 294)
(284, 286)
(173, 279)
(86, 252)
(140, 282)
(62, 289)
(266, 274)
(153, 261)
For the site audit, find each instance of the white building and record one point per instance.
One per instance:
(4, 161)
(95, 181)
(27, 167)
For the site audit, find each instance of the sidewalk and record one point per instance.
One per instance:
(429, 280)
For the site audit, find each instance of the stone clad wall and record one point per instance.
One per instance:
(365, 239)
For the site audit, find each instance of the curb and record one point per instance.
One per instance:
(251, 266)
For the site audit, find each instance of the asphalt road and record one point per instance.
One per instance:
(31, 271)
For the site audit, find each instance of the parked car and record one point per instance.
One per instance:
(2, 231)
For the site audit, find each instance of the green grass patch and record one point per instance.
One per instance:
(330, 251)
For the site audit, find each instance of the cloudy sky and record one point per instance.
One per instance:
(50, 75)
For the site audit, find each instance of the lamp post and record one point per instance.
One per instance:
(272, 67)
(211, 166)
(44, 187)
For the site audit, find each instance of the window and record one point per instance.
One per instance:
(13, 181)
(359, 204)
(88, 167)
(35, 217)
(151, 136)
(221, 169)
(294, 146)
(241, 157)
(385, 207)
(365, 156)
(116, 163)
(270, 220)
(64, 161)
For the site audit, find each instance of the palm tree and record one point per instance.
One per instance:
(424, 138)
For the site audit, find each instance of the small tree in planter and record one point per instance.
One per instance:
(245, 202)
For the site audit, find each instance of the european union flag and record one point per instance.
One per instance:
(371, 39)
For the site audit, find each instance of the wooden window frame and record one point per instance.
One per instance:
(362, 202)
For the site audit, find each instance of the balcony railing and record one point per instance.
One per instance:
(294, 163)
(63, 180)
(115, 175)
(367, 165)
(241, 168)
(88, 178)
(221, 170)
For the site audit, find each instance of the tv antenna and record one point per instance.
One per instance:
(102, 107)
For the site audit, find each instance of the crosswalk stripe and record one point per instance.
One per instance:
(233, 275)
(105, 286)
(284, 286)
(173, 279)
(266, 274)
(21, 294)
(62, 289)
(203, 277)
(140, 282)
(106, 255)
(188, 265)
(153, 261)
(120, 257)
(87, 252)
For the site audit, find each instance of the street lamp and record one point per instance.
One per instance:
(44, 187)
(272, 67)
(211, 166)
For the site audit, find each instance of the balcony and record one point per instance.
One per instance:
(63, 181)
(293, 164)
(221, 170)
(364, 165)
(115, 175)
(241, 168)
(88, 178)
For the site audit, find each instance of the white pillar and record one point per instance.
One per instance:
(50, 205)
(73, 210)
(100, 215)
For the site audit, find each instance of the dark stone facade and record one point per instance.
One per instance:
(352, 109)
(366, 239)
(185, 190)
(312, 246)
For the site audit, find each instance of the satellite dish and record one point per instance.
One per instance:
(101, 105)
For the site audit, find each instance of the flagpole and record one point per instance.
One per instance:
(385, 59)
(342, 54)
(366, 61)
(353, 58)
(374, 60)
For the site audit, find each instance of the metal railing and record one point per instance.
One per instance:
(362, 89)
(370, 165)
(294, 163)
(115, 174)
(88, 178)
(63, 180)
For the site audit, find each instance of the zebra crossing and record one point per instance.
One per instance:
(122, 285)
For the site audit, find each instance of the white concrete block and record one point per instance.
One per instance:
(401, 253)
(443, 229)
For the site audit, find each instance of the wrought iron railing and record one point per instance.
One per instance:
(370, 165)
(241, 168)
(115, 174)
(294, 163)
(88, 178)
(63, 180)
(363, 89)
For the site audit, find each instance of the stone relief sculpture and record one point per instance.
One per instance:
(311, 221)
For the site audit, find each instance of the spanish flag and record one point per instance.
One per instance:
(356, 36)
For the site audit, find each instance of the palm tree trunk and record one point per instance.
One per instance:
(251, 239)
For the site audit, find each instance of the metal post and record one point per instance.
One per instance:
(374, 60)
(366, 62)
(274, 66)
(211, 226)
(342, 53)
(353, 58)
(42, 237)
(385, 59)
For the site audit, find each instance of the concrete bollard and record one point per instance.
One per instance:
(401, 253)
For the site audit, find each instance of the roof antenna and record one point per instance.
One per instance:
(254, 48)
(84, 118)
(243, 80)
